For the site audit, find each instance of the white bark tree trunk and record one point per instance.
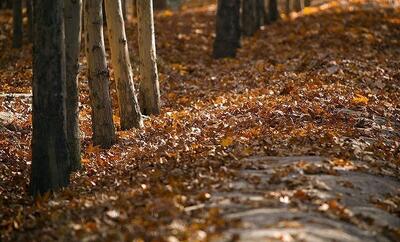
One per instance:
(128, 105)
(149, 86)
(102, 122)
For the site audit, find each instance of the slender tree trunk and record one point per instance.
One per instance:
(307, 3)
(102, 122)
(17, 23)
(261, 12)
(128, 105)
(250, 21)
(124, 14)
(298, 5)
(29, 11)
(73, 20)
(288, 8)
(149, 87)
(227, 39)
(50, 161)
(273, 10)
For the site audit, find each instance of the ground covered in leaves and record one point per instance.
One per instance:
(298, 138)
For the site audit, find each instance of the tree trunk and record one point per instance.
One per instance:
(227, 39)
(29, 12)
(134, 8)
(160, 4)
(307, 3)
(17, 23)
(298, 5)
(124, 13)
(73, 20)
(128, 105)
(149, 87)
(50, 161)
(261, 12)
(250, 21)
(102, 122)
(273, 10)
(288, 8)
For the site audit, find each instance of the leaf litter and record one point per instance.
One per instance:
(298, 136)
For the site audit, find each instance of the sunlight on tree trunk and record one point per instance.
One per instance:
(50, 161)
(128, 105)
(72, 20)
(149, 87)
(102, 122)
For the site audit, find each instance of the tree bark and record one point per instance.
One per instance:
(98, 75)
(307, 3)
(227, 39)
(273, 10)
(17, 23)
(128, 105)
(50, 161)
(149, 86)
(29, 12)
(250, 21)
(73, 20)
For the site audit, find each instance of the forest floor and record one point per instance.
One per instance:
(297, 139)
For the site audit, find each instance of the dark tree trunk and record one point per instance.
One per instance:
(29, 12)
(73, 20)
(123, 2)
(273, 10)
(17, 23)
(50, 161)
(227, 39)
(250, 17)
(261, 12)
(160, 4)
(307, 3)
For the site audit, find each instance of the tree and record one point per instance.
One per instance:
(50, 161)
(73, 20)
(29, 12)
(307, 3)
(250, 17)
(160, 4)
(17, 23)
(128, 105)
(288, 7)
(102, 122)
(273, 10)
(261, 12)
(227, 39)
(149, 87)
(298, 5)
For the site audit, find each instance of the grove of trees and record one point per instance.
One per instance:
(56, 30)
